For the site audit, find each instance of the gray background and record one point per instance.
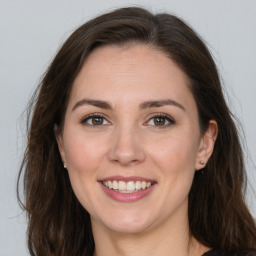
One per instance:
(32, 31)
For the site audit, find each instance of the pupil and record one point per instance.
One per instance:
(159, 121)
(97, 120)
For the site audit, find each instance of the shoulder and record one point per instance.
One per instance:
(221, 253)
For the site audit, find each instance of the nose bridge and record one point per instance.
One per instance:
(125, 146)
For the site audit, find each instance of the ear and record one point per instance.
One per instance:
(206, 145)
(59, 139)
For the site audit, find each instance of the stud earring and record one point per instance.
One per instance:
(201, 162)
(65, 165)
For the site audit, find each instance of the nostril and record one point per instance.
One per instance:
(126, 149)
(126, 161)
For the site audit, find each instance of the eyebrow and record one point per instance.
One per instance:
(147, 104)
(160, 103)
(97, 103)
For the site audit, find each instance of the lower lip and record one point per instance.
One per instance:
(127, 197)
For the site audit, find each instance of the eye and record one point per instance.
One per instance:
(160, 121)
(95, 120)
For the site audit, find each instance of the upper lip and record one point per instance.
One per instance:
(126, 179)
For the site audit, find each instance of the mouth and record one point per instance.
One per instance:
(127, 187)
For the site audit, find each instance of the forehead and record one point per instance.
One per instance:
(130, 58)
(131, 72)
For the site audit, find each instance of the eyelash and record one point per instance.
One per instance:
(85, 120)
(165, 118)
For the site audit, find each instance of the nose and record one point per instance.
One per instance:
(126, 147)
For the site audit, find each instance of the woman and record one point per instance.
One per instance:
(132, 149)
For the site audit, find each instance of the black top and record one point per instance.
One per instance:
(220, 253)
(213, 253)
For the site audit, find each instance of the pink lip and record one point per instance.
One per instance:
(126, 179)
(127, 197)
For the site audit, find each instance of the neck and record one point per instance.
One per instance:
(168, 239)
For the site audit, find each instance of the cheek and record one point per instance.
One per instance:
(82, 151)
(83, 160)
(175, 154)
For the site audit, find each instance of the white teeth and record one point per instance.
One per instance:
(115, 185)
(127, 187)
(130, 186)
(121, 185)
(138, 185)
(110, 185)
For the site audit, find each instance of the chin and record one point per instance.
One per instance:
(126, 223)
(131, 228)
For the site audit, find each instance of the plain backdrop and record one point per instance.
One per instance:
(32, 31)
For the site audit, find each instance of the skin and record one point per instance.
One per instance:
(128, 142)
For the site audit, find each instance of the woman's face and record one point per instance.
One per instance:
(131, 139)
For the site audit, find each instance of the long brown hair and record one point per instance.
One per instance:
(57, 223)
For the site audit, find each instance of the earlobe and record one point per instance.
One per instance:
(206, 145)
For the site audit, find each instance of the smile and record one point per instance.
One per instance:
(127, 187)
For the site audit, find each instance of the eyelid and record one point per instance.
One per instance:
(170, 119)
(87, 117)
